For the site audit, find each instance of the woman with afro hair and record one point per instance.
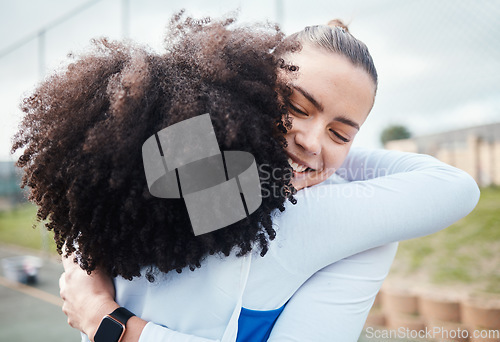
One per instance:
(295, 104)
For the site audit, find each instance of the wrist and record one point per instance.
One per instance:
(118, 325)
(135, 325)
(95, 317)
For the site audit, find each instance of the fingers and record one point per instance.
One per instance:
(66, 306)
(69, 262)
(62, 288)
(62, 285)
(64, 260)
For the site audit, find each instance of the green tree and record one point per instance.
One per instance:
(394, 132)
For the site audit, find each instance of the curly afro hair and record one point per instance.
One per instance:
(84, 127)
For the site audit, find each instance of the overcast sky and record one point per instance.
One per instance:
(438, 61)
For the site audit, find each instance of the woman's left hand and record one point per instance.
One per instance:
(87, 298)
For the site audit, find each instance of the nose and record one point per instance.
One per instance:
(309, 138)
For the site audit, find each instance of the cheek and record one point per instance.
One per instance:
(335, 156)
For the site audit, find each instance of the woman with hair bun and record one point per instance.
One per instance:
(96, 116)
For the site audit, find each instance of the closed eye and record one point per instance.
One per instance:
(344, 139)
(295, 109)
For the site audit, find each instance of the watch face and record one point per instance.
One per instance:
(109, 331)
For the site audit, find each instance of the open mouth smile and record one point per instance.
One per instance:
(299, 168)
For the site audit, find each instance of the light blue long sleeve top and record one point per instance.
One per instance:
(330, 256)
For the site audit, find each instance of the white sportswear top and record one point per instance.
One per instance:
(376, 198)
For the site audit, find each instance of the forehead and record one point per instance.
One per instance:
(341, 87)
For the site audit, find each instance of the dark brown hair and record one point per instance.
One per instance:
(334, 37)
(84, 128)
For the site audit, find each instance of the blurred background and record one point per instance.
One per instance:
(439, 93)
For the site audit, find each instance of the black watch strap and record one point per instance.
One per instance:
(122, 315)
(112, 326)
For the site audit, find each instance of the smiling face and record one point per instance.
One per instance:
(331, 99)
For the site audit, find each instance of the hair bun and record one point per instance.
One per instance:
(338, 23)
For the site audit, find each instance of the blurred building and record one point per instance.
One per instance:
(475, 150)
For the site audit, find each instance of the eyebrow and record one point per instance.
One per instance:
(347, 121)
(341, 118)
(311, 99)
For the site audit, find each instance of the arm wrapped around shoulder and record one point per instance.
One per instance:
(468, 190)
(390, 196)
(457, 190)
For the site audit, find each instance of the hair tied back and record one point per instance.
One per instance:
(338, 23)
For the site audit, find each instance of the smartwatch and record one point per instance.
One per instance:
(112, 326)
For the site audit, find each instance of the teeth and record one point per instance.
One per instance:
(296, 167)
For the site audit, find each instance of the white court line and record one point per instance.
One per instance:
(31, 291)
